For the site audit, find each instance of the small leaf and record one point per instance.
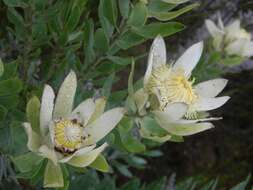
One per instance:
(165, 16)
(124, 8)
(3, 112)
(175, 1)
(33, 113)
(138, 15)
(120, 60)
(106, 91)
(10, 87)
(110, 10)
(242, 185)
(163, 29)
(1, 68)
(100, 164)
(160, 6)
(101, 41)
(130, 39)
(104, 21)
(26, 162)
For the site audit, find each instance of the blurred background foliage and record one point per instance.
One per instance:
(40, 41)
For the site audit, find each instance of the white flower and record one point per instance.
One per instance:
(69, 136)
(175, 100)
(233, 39)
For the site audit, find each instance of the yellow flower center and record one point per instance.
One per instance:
(171, 86)
(68, 135)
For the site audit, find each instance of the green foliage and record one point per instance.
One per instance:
(43, 40)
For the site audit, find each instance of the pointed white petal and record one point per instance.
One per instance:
(79, 152)
(189, 59)
(186, 129)
(46, 110)
(248, 49)
(49, 153)
(210, 88)
(104, 124)
(176, 110)
(53, 176)
(213, 29)
(34, 140)
(236, 47)
(51, 132)
(100, 104)
(172, 112)
(220, 23)
(233, 30)
(206, 104)
(86, 158)
(65, 97)
(157, 56)
(85, 110)
(185, 121)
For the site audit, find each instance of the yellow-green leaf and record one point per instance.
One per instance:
(100, 164)
(33, 113)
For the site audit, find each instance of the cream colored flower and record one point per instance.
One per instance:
(173, 97)
(69, 136)
(233, 39)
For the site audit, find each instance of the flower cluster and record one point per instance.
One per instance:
(69, 136)
(178, 105)
(169, 98)
(232, 39)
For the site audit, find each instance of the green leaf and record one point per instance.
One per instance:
(138, 15)
(106, 91)
(89, 41)
(175, 1)
(110, 10)
(158, 185)
(131, 80)
(33, 113)
(164, 29)
(17, 19)
(120, 60)
(53, 176)
(130, 39)
(165, 16)
(128, 138)
(242, 185)
(16, 3)
(74, 18)
(101, 41)
(159, 6)
(153, 127)
(10, 87)
(123, 169)
(26, 162)
(100, 164)
(124, 8)
(3, 112)
(1, 68)
(104, 21)
(9, 101)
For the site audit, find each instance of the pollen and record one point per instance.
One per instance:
(171, 86)
(68, 135)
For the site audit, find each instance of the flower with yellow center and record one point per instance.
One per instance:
(66, 135)
(232, 38)
(173, 97)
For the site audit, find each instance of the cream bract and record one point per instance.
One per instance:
(233, 39)
(174, 98)
(67, 135)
